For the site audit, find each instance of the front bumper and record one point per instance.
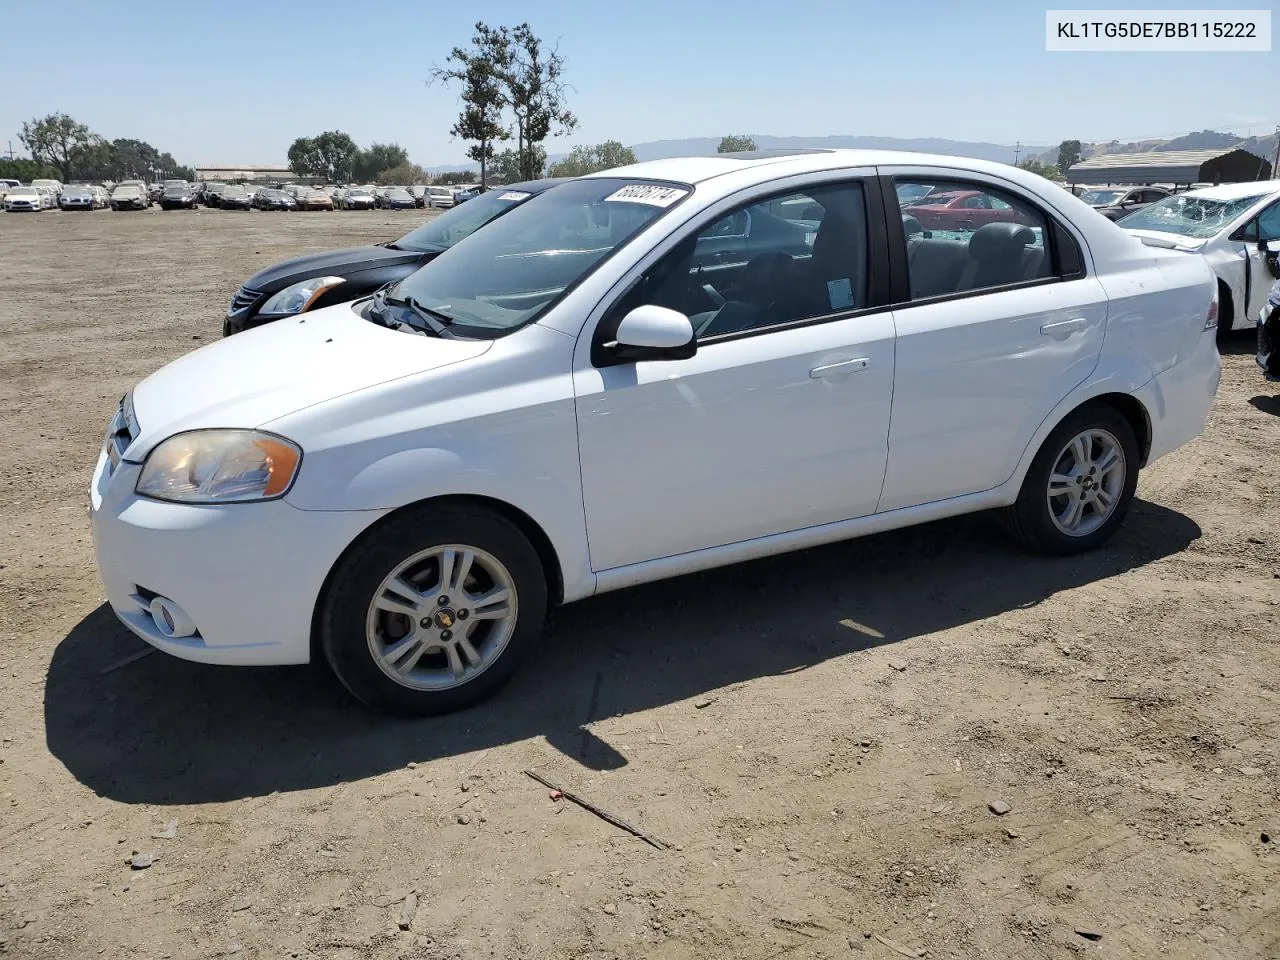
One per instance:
(23, 206)
(247, 574)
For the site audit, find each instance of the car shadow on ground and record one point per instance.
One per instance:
(161, 730)
(1267, 404)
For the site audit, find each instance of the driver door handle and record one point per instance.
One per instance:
(839, 368)
(1063, 327)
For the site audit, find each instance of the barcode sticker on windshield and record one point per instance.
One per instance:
(647, 193)
(514, 195)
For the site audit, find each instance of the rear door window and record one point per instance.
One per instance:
(991, 239)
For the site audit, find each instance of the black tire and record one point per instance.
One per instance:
(344, 606)
(1029, 520)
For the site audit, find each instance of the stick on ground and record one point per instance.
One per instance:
(604, 815)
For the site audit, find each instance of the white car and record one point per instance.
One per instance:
(24, 199)
(1235, 226)
(634, 375)
(441, 197)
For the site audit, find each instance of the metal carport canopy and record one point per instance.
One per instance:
(1172, 166)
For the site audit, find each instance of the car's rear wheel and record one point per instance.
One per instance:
(1079, 485)
(433, 609)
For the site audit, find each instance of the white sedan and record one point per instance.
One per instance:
(1235, 226)
(637, 374)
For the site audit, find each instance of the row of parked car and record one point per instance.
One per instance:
(181, 194)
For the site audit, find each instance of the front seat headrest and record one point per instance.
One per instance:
(995, 241)
(911, 226)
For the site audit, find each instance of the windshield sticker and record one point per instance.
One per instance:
(514, 195)
(646, 193)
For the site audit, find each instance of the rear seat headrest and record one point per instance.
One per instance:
(995, 241)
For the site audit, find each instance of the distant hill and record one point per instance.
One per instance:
(702, 146)
(979, 150)
(1264, 147)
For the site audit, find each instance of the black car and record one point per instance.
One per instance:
(274, 200)
(178, 197)
(1269, 333)
(1116, 202)
(396, 198)
(311, 282)
(211, 192)
(235, 197)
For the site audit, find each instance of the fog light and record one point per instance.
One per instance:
(170, 619)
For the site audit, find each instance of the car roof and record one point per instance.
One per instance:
(695, 170)
(1236, 191)
(534, 186)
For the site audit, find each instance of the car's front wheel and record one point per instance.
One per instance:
(433, 609)
(1080, 483)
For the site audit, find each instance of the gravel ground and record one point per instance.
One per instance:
(819, 739)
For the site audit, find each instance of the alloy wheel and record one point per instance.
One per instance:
(1086, 483)
(442, 617)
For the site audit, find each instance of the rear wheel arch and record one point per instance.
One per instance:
(1132, 409)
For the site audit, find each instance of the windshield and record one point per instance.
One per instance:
(504, 276)
(1101, 198)
(233, 192)
(1188, 216)
(357, 193)
(444, 231)
(175, 191)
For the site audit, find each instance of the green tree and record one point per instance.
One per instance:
(405, 174)
(1068, 154)
(304, 157)
(54, 140)
(584, 160)
(535, 92)
(480, 71)
(1035, 166)
(380, 156)
(332, 155)
(337, 153)
(509, 167)
(26, 170)
(450, 177)
(735, 143)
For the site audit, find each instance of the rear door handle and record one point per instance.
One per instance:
(839, 368)
(1063, 327)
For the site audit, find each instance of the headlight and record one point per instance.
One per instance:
(220, 466)
(299, 297)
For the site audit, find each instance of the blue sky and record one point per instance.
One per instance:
(237, 81)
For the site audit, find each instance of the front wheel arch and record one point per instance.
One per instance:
(518, 518)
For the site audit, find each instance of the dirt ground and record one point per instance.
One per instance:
(816, 738)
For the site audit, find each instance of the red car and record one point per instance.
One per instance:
(962, 210)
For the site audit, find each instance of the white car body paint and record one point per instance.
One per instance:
(1240, 266)
(752, 446)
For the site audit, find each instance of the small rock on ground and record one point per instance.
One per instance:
(999, 807)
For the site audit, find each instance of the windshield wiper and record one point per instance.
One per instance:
(432, 320)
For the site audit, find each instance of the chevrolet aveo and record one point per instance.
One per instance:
(637, 374)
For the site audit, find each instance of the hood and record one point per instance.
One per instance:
(337, 262)
(1168, 241)
(268, 372)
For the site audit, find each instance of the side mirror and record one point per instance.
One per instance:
(1270, 246)
(653, 333)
